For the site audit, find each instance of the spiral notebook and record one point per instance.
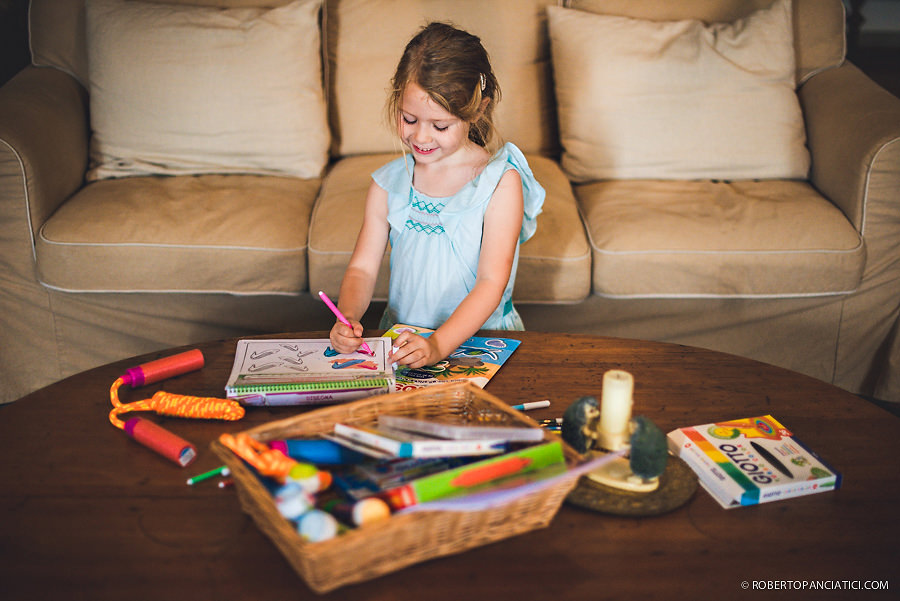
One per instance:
(307, 372)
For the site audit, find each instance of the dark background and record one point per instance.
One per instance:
(13, 38)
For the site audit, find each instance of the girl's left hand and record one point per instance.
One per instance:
(415, 351)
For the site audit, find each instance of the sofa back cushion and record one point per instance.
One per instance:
(678, 99)
(57, 26)
(819, 39)
(365, 38)
(57, 36)
(180, 90)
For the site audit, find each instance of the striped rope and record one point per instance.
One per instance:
(176, 405)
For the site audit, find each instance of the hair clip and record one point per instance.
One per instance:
(483, 81)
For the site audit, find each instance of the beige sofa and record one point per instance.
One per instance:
(160, 187)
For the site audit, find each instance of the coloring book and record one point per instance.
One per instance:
(476, 360)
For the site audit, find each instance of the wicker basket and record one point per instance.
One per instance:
(359, 554)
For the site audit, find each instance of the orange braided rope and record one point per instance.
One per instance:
(165, 403)
(268, 462)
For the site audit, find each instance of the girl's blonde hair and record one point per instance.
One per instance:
(453, 67)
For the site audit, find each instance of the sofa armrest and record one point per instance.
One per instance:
(853, 130)
(44, 134)
(853, 127)
(43, 157)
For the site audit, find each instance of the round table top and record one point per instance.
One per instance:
(89, 513)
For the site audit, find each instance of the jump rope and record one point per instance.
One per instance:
(267, 461)
(154, 436)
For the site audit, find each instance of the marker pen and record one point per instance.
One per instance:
(768, 456)
(532, 405)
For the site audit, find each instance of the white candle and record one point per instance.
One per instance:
(615, 407)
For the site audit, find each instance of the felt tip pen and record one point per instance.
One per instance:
(219, 471)
(163, 369)
(764, 452)
(317, 451)
(337, 313)
(532, 405)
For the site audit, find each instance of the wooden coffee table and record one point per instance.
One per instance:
(87, 513)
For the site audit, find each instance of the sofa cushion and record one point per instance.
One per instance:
(238, 234)
(335, 223)
(677, 99)
(819, 41)
(554, 265)
(188, 89)
(730, 239)
(57, 26)
(56, 36)
(365, 38)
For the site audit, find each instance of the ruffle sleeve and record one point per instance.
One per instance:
(532, 192)
(510, 157)
(396, 178)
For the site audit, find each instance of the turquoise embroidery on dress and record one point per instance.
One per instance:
(423, 216)
(424, 228)
(427, 207)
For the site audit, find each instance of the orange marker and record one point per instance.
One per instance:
(492, 471)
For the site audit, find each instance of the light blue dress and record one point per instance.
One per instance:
(436, 242)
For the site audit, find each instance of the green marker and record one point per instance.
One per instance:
(219, 471)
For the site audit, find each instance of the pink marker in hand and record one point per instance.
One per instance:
(363, 348)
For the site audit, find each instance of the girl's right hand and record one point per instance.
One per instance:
(344, 339)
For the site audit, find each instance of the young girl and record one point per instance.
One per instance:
(454, 209)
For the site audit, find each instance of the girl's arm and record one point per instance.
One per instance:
(502, 224)
(358, 284)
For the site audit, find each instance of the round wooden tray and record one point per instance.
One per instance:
(677, 485)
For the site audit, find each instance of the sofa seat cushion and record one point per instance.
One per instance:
(714, 238)
(237, 234)
(554, 265)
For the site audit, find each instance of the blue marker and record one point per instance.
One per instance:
(348, 363)
(317, 451)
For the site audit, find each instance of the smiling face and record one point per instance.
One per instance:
(428, 130)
